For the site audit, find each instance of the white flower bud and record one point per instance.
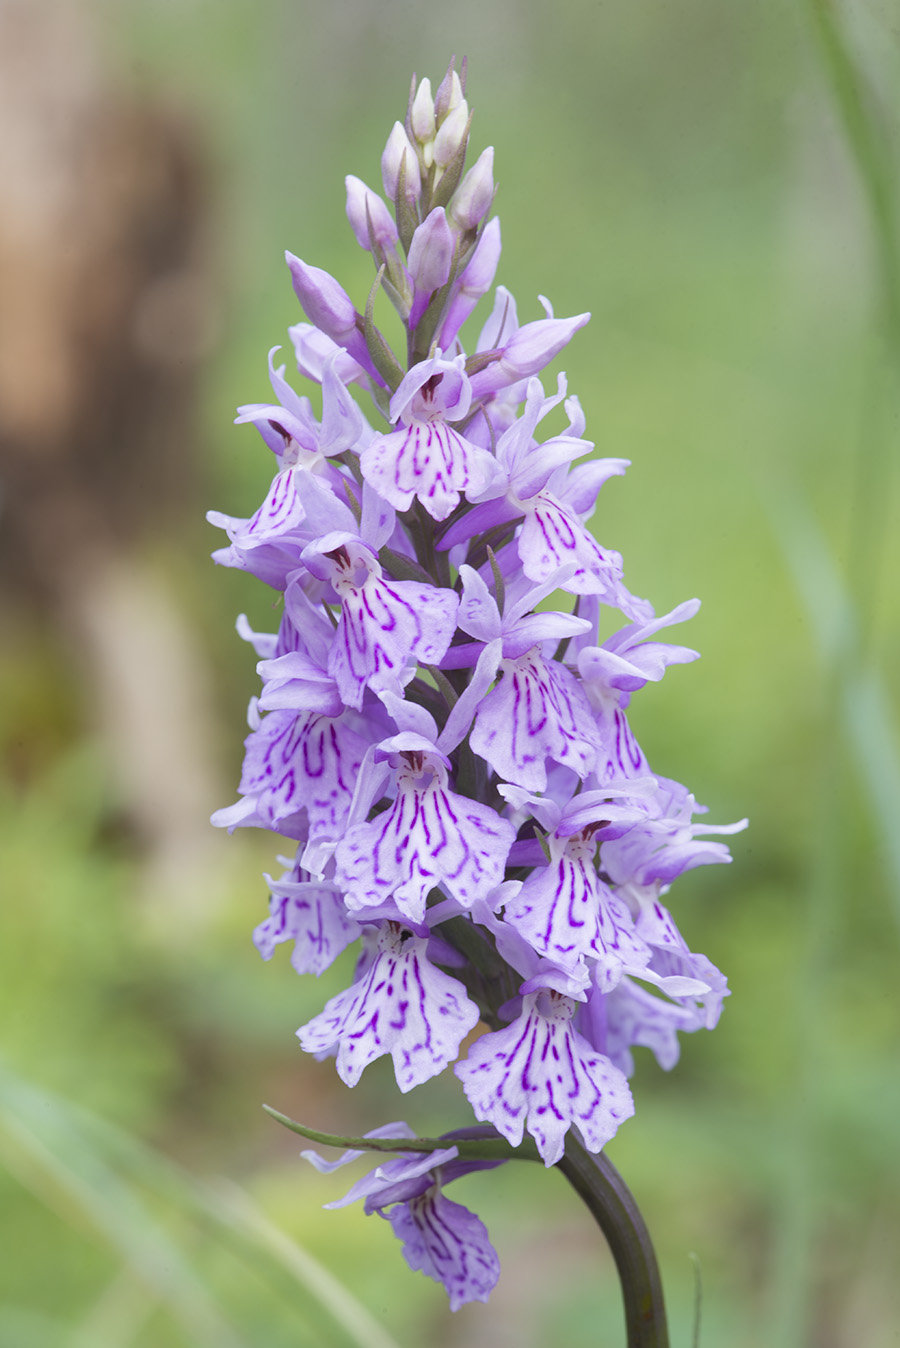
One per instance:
(473, 197)
(448, 96)
(450, 135)
(422, 116)
(398, 146)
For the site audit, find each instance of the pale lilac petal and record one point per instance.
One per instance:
(567, 913)
(312, 915)
(305, 761)
(369, 217)
(448, 1243)
(428, 461)
(385, 627)
(541, 1074)
(536, 712)
(403, 1006)
(313, 350)
(630, 1017)
(552, 536)
(429, 836)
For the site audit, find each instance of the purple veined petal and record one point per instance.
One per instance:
(313, 349)
(620, 754)
(384, 626)
(429, 836)
(536, 712)
(551, 536)
(312, 915)
(305, 626)
(430, 462)
(303, 762)
(541, 1074)
(448, 1243)
(566, 913)
(402, 1005)
(673, 960)
(630, 1017)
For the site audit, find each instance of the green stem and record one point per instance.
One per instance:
(474, 1143)
(611, 1204)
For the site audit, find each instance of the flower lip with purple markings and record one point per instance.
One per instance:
(443, 727)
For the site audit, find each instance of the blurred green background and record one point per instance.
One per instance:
(716, 181)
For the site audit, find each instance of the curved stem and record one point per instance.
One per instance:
(611, 1204)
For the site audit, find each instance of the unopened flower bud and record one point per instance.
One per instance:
(449, 94)
(422, 115)
(327, 305)
(369, 218)
(472, 199)
(450, 136)
(431, 252)
(399, 151)
(527, 352)
(475, 281)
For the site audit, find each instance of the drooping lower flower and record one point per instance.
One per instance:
(441, 1239)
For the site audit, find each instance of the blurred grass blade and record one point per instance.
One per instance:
(863, 701)
(74, 1155)
(235, 1207)
(50, 1148)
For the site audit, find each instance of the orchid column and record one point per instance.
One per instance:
(451, 757)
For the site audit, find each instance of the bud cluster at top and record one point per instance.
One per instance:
(452, 758)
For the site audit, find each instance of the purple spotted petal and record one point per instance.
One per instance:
(385, 626)
(448, 1243)
(306, 762)
(630, 1017)
(429, 836)
(536, 712)
(402, 1005)
(428, 461)
(552, 536)
(567, 913)
(541, 1074)
(312, 915)
(674, 962)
